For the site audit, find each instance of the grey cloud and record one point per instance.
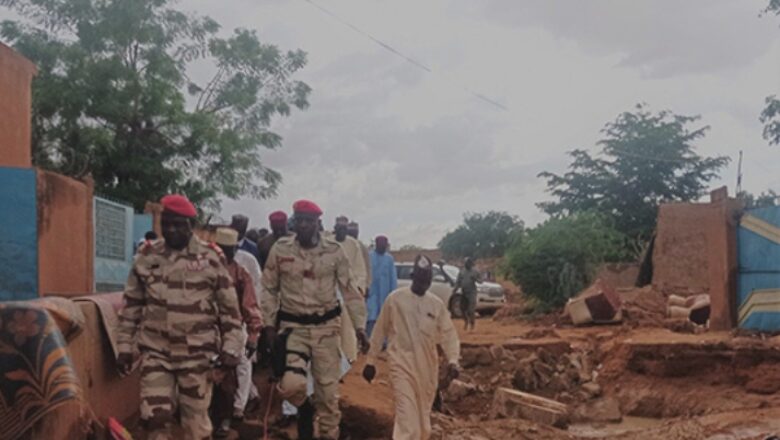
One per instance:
(377, 146)
(451, 155)
(661, 37)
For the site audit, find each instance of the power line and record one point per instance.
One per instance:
(398, 53)
(370, 37)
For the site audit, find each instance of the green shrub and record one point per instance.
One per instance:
(557, 259)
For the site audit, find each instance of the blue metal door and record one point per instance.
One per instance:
(758, 285)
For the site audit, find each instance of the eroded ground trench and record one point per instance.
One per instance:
(622, 382)
(617, 382)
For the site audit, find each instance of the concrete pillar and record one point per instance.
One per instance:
(721, 233)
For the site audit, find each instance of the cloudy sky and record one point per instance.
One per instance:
(406, 152)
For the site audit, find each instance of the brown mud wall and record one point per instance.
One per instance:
(619, 274)
(108, 394)
(695, 252)
(16, 73)
(409, 256)
(680, 263)
(65, 236)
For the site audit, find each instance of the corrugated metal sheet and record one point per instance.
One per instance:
(758, 286)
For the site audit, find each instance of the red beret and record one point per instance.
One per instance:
(307, 207)
(381, 239)
(178, 204)
(278, 217)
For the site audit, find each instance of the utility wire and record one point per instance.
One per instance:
(370, 37)
(398, 53)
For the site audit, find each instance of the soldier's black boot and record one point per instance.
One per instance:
(306, 421)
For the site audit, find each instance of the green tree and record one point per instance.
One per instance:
(763, 200)
(770, 116)
(645, 159)
(410, 247)
(114, 99)
(557, 259)
(481, 235)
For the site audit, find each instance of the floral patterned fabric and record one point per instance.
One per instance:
(36, 374)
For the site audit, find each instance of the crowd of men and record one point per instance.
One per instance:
(296, 298)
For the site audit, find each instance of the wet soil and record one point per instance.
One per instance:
(667, 384)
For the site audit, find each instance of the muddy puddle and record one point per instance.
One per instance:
(602, 430)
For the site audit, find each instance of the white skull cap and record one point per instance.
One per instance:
(423, 262)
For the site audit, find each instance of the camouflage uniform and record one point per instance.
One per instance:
(181, 308)
(299, 285)
(467, 282)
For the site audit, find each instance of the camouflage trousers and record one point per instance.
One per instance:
(469, 307)
(165, 388)
(318, 348)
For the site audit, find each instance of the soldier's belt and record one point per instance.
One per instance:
(312, 319)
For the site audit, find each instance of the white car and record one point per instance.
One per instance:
(490, 296)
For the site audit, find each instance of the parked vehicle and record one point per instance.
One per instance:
(490, 296)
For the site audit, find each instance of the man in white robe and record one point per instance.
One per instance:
(414, 321)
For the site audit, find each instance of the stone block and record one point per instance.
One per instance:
(508, 403)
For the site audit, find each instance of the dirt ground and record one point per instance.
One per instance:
(653, 382)
(645, 378)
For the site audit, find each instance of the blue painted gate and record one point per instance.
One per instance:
(758, 284)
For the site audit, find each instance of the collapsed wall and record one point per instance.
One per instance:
(695, 252)
(618, 275)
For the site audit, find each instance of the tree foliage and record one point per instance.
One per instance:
(481, 235)
(113, 98)
(645, 159)
(763, 200)
(557, 259)
(770, 116)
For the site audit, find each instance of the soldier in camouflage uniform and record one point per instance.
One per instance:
(181, 309)
(299, 294)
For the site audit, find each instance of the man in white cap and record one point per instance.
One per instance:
(414, 321)
(357, 265)
(227, 240)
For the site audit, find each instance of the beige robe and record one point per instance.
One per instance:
(367, 260)
(413, 326)
(357, 266)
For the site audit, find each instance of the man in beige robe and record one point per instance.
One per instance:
(414, 321)
(358, 268)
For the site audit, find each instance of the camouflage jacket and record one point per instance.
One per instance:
(180, 306)
(303, 282)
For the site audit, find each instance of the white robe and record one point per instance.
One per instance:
(414, 325)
